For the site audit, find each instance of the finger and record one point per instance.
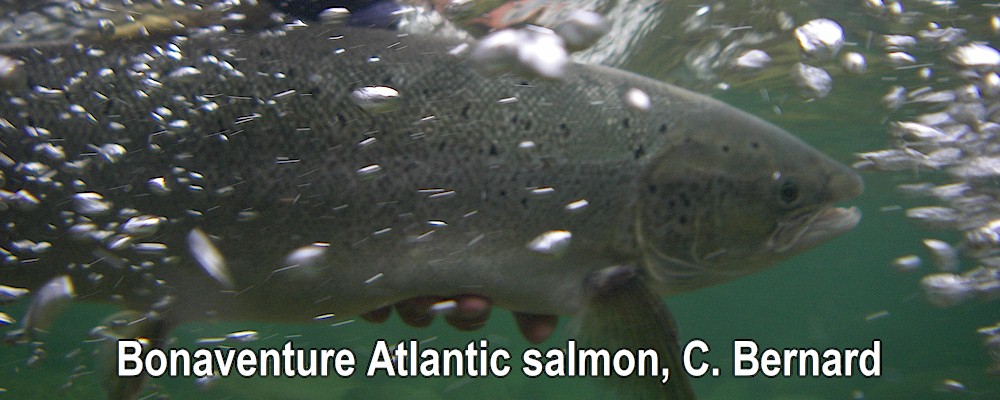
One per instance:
(379, 315)
(536, 327)
(470, 312)
(417, 311)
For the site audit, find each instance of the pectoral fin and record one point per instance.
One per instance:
(624, 313)
(149, 328)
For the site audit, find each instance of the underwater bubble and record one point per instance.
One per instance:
(577, 205)
(30, 248)
(119, 242)
(975, 55)
(91, 204)
(877, 315)
(178, 126)
(111, 152)
(752, 59)
(925, 73)
(443, 307)
(6, 319)
(874, 7)
(916, 132)
(853, 63)
(814, 81)
(375, 278)
(984, 238)
(209, 257)
(82, 231)
(243, 336)
(991, 84)
(952, 386)
(150, 248)
(376, 99)
(324, 317)
(581, 29)
(943, 255)
(34, 171)
(907, 263)
(496, 53)
(894, 98)
(638, 99)
(184, 74)
(543, 53)
(47, 303)
(985, 282)
(934, 216)
(334, 15)
(158, 186)
(369, 171)
(945, 289)
(10, 293)
(50, 151)
(951, 191)
(12, 73)
(141, 226)
(820, 38)
(247, 216)
(22, 200)
(543, 191)
(210, 340)
(106, 27)
(310, 257)
(48, 93)
(978, 167)
(900, 58)
(531, 52)
(898, 42)
(36, 132)
(552, 243)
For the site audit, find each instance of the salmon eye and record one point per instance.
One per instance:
(788, 192)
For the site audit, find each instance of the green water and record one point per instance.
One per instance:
(817, 300)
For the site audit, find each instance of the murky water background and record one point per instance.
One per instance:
(843, 294)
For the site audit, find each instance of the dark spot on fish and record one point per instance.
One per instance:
(663, 128)
(442, 145)
(725, 149)
(754, 145)
(465, 111)
(527, 125)
(639, 152)
(625, 123)
(684, 199)
(682, 220)
(493, 150)
(565, 129)
(503, 193)
(652, 189)
(524, 201)
(671, 204)
(342, 119)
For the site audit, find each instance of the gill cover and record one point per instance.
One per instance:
(733, 194)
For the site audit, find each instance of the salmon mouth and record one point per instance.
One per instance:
(815, 225)
(809, 229)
